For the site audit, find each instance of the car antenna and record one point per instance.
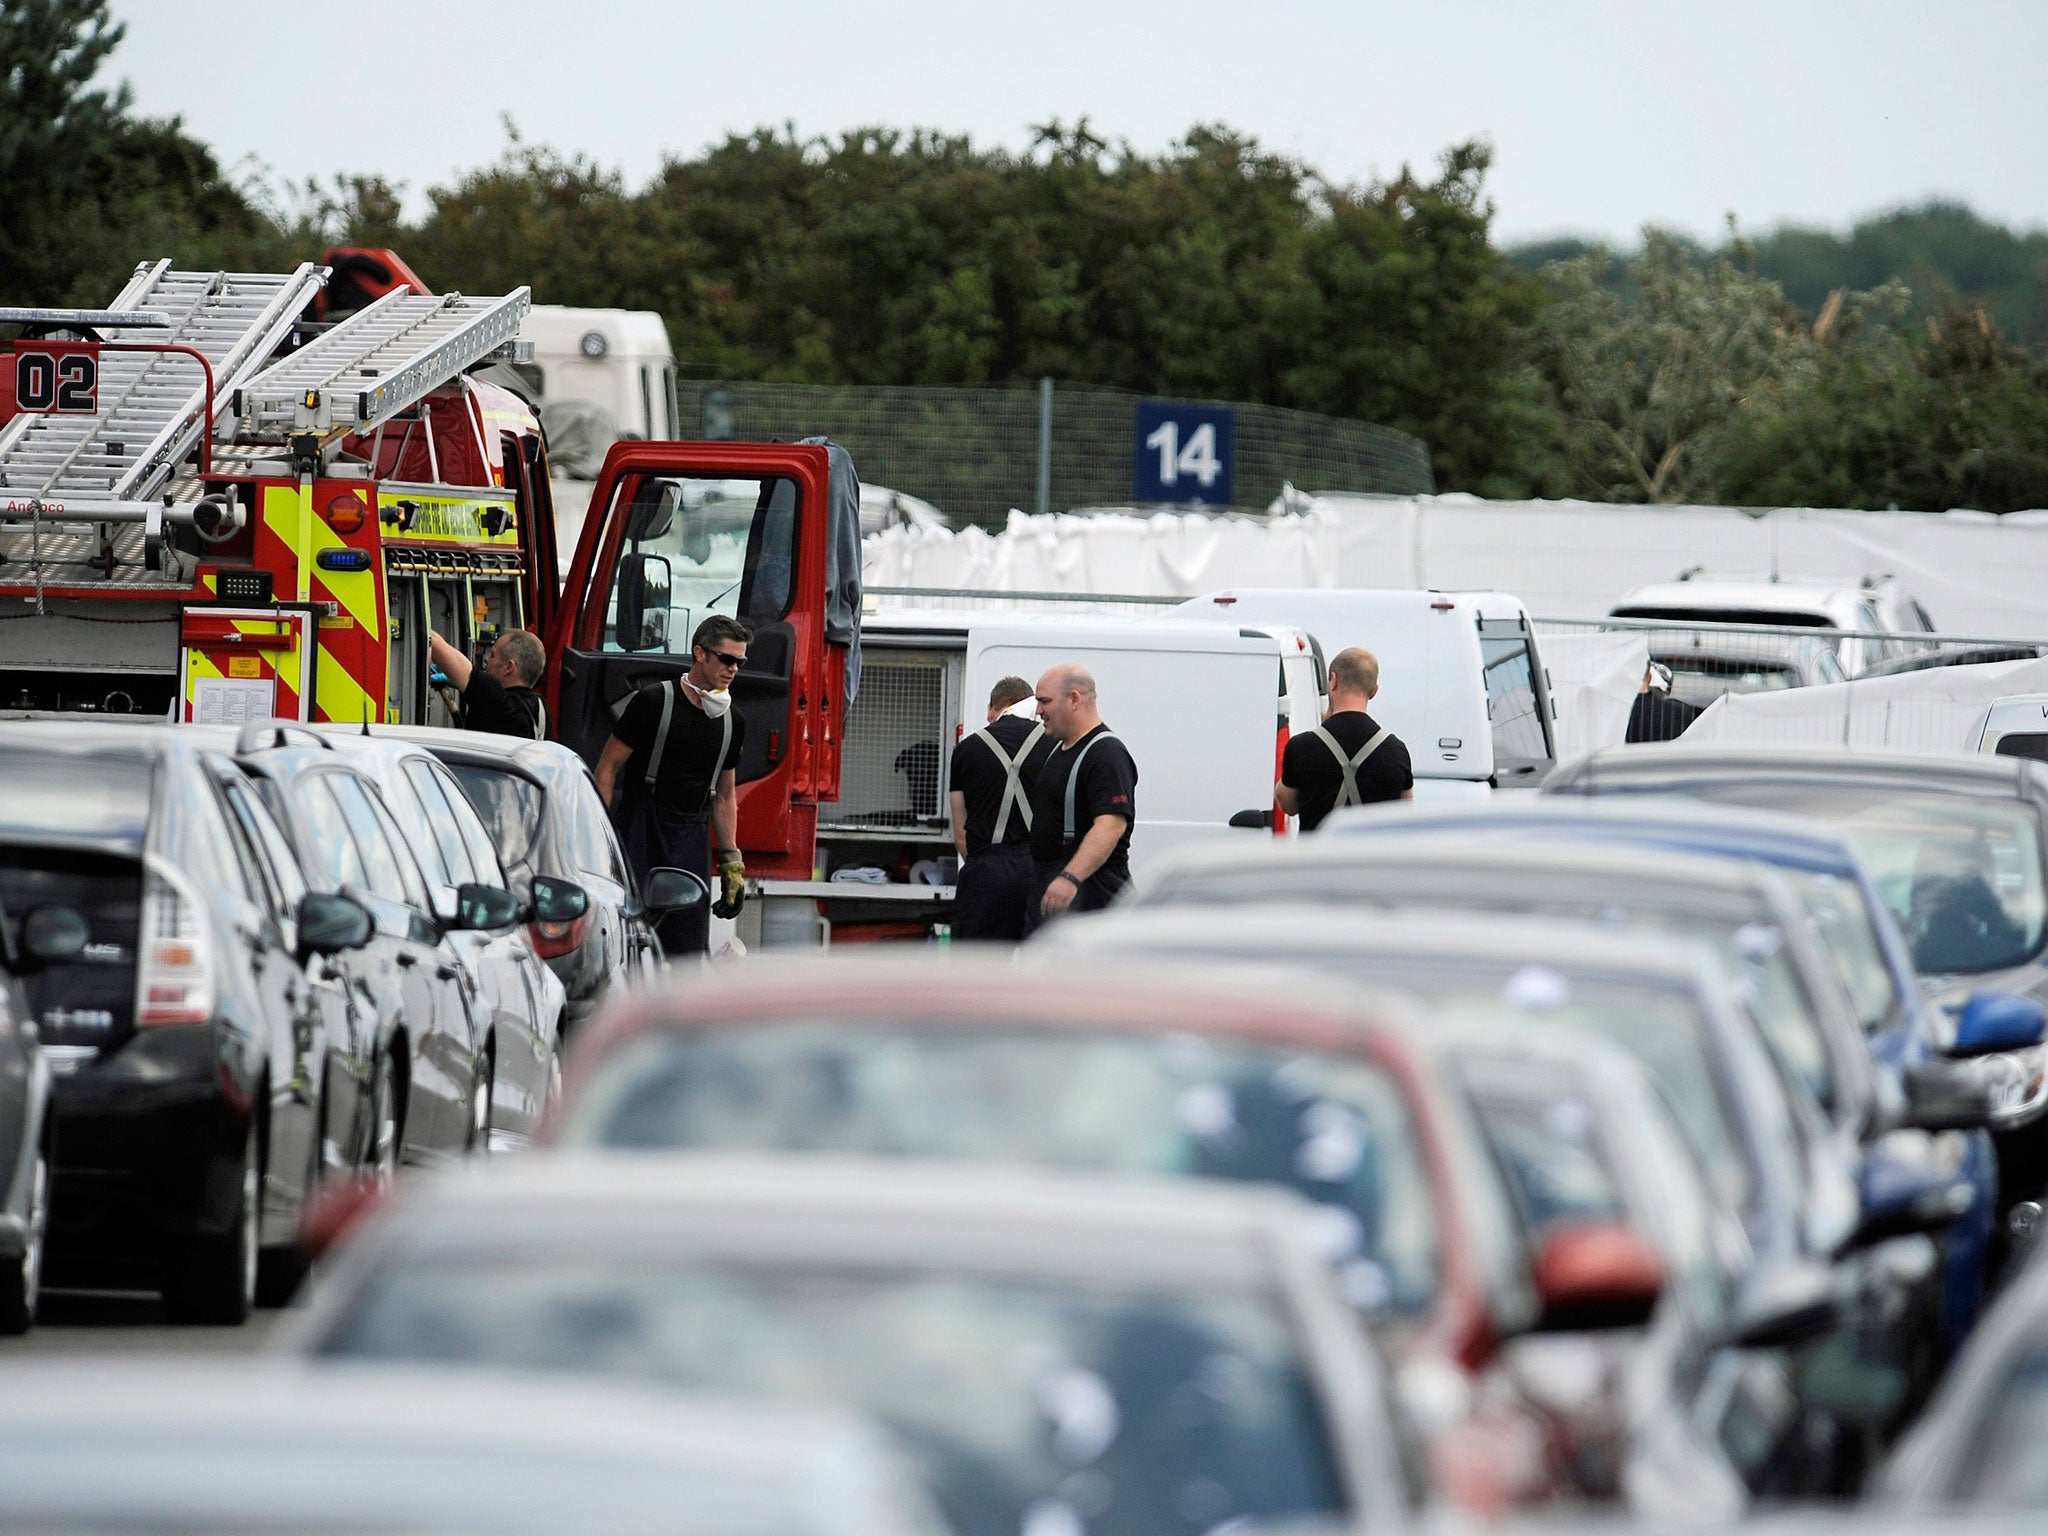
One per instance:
(366, 717)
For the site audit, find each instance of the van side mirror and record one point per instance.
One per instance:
(1998, 1021)
(1899, 1198)
(53, 933)
(674, 890)
(330, 922)
(1593, 1275)
(558, 901)
(643, 587)
(485, 908)
(1783, 1306)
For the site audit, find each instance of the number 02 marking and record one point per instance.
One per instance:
(1197, 459)
(66, 384)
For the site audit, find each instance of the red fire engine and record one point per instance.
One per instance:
(215, 508)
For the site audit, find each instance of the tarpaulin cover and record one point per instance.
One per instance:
(1974, 573)
(1594, 678)
(1915, 711)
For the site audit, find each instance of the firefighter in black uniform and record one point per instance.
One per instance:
(669, 773)
(1084, 804)
(499, 695)
(992, 775)
(1350, 759)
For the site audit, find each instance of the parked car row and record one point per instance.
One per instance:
(240, 963)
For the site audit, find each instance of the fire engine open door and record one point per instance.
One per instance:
(681, 531)
(241, 664)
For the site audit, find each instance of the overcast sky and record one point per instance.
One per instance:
(1604, 116)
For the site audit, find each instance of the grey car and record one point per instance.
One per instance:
(1957, 847)
(211, 1445)
(1140, 1355)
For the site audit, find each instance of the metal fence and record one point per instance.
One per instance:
(975, 453)
(984, 600)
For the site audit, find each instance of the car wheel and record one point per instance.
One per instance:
(386, 1131)
(21, 1279)
(213, 1279)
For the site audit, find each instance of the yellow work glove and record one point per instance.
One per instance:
(732, 885)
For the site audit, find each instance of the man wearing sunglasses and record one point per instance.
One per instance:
(669, 775)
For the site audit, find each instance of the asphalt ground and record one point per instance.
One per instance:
(126, 1322)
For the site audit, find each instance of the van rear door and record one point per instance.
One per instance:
(678, 532)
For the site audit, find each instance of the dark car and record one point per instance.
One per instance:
(543, 812)
(196, 1031)
(1956, 846)
(419, 1067)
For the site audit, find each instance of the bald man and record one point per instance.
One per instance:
(1084, 803)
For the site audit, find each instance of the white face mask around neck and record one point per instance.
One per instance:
(713, 701)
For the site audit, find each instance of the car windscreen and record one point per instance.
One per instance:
(1335, 1128)
(74, 795)
(1961, 873)
(1699, 681)
(1029, 1405)
(1549, 1146)
(510, 805)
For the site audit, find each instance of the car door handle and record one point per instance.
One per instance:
(407, 957)
(447, 971)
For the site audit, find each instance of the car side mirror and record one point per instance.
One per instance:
(1258, 818)
(674, 890)
(330, 922)
(53, 933)
(1998, 1021)
(484, 908)
(1899, 1198)
(643, 586)
(1946, 1095)
(1595, 1275)
(558, 901)
(1784, 1305)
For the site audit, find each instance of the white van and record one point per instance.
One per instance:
(2013, 727)
(1461, 681)
(1206, 710)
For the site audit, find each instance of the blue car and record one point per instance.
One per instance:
(1910, 1045)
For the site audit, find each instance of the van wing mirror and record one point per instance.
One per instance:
(643, 588)
(1258, 818)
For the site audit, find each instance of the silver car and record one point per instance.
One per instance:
(1055, 1352)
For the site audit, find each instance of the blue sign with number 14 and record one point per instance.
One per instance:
(1184, 452)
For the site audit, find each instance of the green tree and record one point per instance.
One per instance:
(89, 189)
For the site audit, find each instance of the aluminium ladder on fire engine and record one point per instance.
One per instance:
(108, 467)
(382, 360)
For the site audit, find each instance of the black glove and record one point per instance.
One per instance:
(732, 885)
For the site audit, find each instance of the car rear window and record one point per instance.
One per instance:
(1337, 1129)
(74, 795)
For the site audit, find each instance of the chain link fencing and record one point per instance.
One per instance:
(975, 453)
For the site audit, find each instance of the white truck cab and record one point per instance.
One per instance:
(1462, 683)
(2013, 727)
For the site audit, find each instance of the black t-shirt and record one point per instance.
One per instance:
(1108, 786)
(981, 779)
(1659, 717)
(1312, 771)
(488, 705)
(686, 763)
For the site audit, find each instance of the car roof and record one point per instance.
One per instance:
(1667, 821)
(1288, 928)
(1977, 773)
(460, 1445)
(806, 1207)
(92, 735)
(1740, 592)
(1459, 849)
(962, 990)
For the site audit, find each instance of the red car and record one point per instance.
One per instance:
(1193, 1072)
